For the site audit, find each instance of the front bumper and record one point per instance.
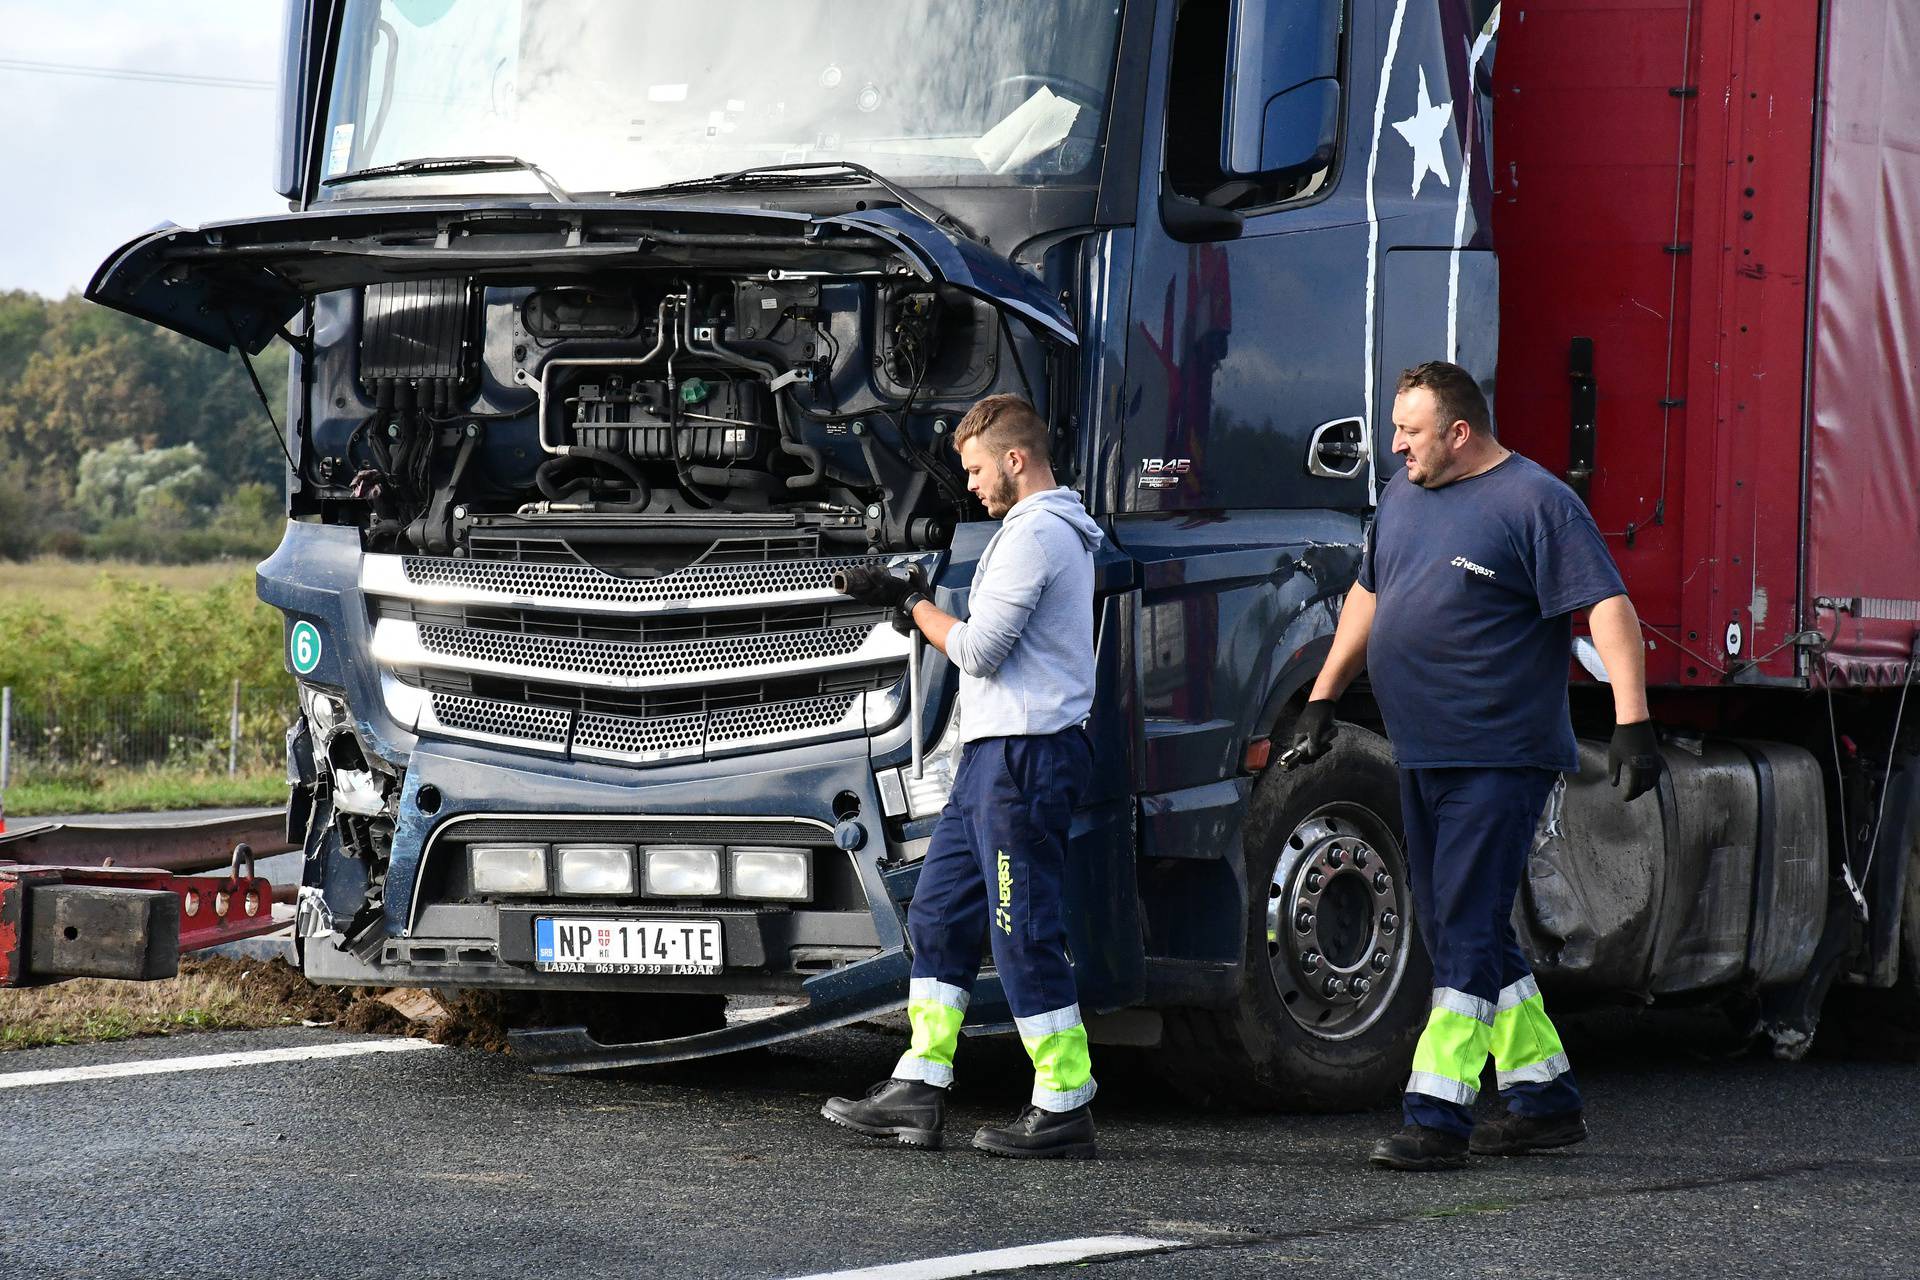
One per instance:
(863, 959)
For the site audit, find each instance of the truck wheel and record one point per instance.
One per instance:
(1335, 987)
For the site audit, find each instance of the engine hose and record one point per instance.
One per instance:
(791, 446)
(377, 441)
(790, 443)
(642, 491)
(382, 417)
(729, 478)
(545, 476)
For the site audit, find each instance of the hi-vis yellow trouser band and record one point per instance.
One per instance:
(935, 1009)
(1526, 1048)
(1062, 1071)
(1453, 1049)
(1463, 1029)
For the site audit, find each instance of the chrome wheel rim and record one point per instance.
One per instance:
(1338, 922)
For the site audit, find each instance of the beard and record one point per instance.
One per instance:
(1427, 475)
(1001, 497)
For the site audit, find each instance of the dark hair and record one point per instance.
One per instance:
(1005, 422)
(1455, 393)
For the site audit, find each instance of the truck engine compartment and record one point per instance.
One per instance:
(451, 416)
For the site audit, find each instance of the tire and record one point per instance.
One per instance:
(1287, 1042)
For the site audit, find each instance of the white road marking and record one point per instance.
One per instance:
(1373, 231)
(208, 1062)
(1052, 1253)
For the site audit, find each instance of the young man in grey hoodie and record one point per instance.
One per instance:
(997, 860)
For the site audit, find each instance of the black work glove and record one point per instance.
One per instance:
(1635, 750)
(1312, 733)
(873, 584)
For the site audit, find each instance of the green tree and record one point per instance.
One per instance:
(23, 320)
(122, 479)
(75, 377)
(20, 526)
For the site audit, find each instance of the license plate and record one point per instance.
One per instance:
(578, 944)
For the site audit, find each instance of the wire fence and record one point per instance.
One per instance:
(237, 730)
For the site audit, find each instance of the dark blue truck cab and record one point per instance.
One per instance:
(617, 329)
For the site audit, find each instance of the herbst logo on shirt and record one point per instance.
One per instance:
(1461, 562)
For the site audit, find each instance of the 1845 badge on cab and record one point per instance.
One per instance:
(1164, 473)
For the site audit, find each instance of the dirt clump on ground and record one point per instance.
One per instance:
(368, 1015)
(474, 1020)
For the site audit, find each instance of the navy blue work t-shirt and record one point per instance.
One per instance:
(1475, 584)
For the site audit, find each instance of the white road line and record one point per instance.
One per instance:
(208, 1062)
(1051, 1253)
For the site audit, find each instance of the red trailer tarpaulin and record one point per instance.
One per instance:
(1863, 522)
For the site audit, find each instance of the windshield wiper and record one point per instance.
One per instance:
(810, 173)
(453, 164)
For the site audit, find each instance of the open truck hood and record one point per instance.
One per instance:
(238, 283)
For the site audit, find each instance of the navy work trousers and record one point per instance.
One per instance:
(1469, 833)
(995, 874)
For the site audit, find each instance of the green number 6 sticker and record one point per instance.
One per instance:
(303, 647)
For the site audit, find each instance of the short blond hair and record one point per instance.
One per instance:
(1005, 422)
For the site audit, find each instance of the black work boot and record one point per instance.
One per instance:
(1041, 1135)
(1419, 1148)
(1513, 1134)
(909, 1110)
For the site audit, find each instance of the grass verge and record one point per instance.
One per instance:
(211, 994)
(84, 588)
(136, 791)
(218, 993)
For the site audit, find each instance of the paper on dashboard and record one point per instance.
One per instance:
(1036, 125)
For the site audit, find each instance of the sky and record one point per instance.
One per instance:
(87, 163)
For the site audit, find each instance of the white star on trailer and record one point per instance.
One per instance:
(1422, 130)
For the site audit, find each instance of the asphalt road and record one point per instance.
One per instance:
(455, 1162)
(150, 818)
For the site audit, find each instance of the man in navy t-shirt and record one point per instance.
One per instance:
(1463, 618)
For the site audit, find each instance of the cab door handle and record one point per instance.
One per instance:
(1338, 449)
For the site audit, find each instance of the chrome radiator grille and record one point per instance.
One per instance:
(514, 653)
(630, 666)
(718, 586)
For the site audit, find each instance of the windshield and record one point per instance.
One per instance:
(615, 94)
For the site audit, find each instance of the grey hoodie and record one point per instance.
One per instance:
(1025, 652)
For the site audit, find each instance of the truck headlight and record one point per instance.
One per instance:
(772, 873)
(507, 868)
(594, 869)
(326, 712)
(683, 871)
(903, 795)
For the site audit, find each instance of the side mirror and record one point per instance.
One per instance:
(1301, 129)
(1190, 222)
(1283, 99)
